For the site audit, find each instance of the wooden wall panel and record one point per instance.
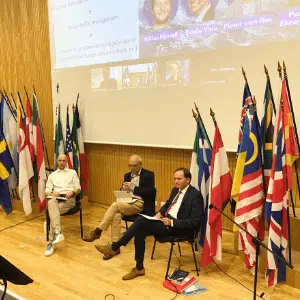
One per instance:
(25, 60)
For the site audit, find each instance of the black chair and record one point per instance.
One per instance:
(74, 210)
(149, 210)
(173, 240)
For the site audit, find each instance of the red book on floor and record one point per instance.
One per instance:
(179, 287)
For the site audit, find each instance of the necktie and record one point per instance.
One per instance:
(173, 203)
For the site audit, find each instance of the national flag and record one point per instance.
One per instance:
(291, 146)
(247, 100)
(5, 171)
(25, 166)
(59, 142)
(200, 170)
(9, 126)
(39, 154)
(219, 193)
(267, 131)
(69, 148)
(83, 165)
(276, 207)
(247, 189)
(76, 155)
(29, 132)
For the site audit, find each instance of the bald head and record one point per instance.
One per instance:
(135, 163)
(61, 161)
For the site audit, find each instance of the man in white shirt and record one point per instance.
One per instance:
(180, 216)
(64, 183)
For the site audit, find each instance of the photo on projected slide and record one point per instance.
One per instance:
(107, 78)
(140, 76)
(176, 72)
(176, 26)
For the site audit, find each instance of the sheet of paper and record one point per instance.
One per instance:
(58, 198)
(149, 218)
(123, 196)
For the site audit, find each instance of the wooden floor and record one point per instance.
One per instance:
(77, 271)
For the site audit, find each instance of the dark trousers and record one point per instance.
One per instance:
(142, 228)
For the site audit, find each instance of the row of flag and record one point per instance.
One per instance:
(22, 149)
(262, 179)
(21, 153)
(72, 145)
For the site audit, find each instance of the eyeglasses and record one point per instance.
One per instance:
(133, 166)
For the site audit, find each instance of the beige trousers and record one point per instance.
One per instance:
(55, 209)
(114, 215)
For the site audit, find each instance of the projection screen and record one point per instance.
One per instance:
(140, 65)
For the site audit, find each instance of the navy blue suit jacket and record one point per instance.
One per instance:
(146, 190)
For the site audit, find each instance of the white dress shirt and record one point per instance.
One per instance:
(175, 208)
(62, 181)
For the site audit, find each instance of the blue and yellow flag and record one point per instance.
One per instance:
(5, 171)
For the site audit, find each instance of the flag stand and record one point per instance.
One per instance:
(258, 243)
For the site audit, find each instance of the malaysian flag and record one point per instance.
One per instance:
(247, 188)
(69, 148)
(276, 209)
(200, 170)
(219, 193)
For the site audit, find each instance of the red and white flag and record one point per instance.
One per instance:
(39, 155)
(220, 189)
(29, 130)
(25, 167)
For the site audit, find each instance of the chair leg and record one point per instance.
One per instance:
(170, 256)
(179, 249)
(126, 224)
(47, 224)
(81, 227)
(196, 265)
(153, 248)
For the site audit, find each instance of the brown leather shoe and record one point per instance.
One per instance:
(106, 249)
(91, 236)
(107, 257)
(134, 273)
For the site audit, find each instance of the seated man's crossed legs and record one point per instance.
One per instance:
(56, 209)
(113, 218)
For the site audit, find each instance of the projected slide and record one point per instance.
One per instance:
(88, 32)
(149, 75)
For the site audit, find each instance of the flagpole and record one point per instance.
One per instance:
(13, 99)
(200, 119)
(270, 87)
(21, 104)
(4, 94)
(42, 132)
(296, 133)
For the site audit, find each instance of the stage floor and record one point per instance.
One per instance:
(77, 271)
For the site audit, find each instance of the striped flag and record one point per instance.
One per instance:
(247, 189)
(200, 170)
(69, 148)
(220, 187)
(267, 131)
(276, 208)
